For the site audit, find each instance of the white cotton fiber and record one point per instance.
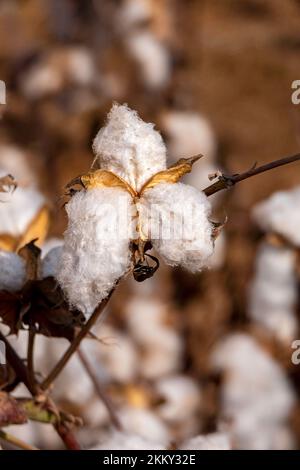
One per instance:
(175, 218)
(129, 147)
(50, 263)
(127, 441)
(19, 209)
(152, 56)
(256, 397)
(12, 272)
(96, 248)
(273, 292)
(214, 441)
(280, 214)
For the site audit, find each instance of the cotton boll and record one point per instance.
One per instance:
(161, 345)
(119, 357)
(145, 424)
(214, 441)
(152, 57)
(14, 161)
(273, 293)
(181, 396)
(189, 134)
(51, 243)
(19, 209)
(80, 66)
(256, 396)
(96, 249)
(41, 79)
(134, 12)
(280, 213)
(127, 441)
(12, 272)
(175, 218)
(51, 262)
(129, 147)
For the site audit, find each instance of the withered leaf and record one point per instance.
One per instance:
(31, 255)
(104, 178)
(172, 174)
(10, 411)
(40, 305)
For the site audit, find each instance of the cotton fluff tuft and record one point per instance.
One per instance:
(96, 249)
(129, 147)
(19, 209)
(273, 293)
(50, 262)
(152, 56)
(256, 396)
(214, 441)
(175, 218)
(127, 441)
(12, 272)
(280, 213)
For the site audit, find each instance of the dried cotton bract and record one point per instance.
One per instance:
(131, 201)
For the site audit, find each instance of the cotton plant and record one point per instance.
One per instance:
(133, 202)
(274, 291)
(257, 398)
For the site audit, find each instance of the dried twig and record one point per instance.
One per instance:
(75, 343)
(225, 182)
(102, 395)
(30, 358)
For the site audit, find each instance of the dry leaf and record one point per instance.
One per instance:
(105, 178)
(37, 229)
(172, 174)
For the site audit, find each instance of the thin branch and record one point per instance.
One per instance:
(225, 182)
(75, 343)
(67, 437)
(17, 364)
(30, 358)
(102, 395)
(15, 441)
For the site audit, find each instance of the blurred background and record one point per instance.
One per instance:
(181, 354)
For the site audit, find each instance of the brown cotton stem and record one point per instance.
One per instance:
(67, 437)
(225, 182)
(17, 364)
(75, 343)
(102, 395)
(30, 358)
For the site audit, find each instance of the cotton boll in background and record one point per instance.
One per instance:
(214, 441)
(50, 263)
(12, 272)
(257, 397)
(16, 162)
(273, 293)
(280, 214)
(127, 441)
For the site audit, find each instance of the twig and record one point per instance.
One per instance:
(75, 343)
(30, 358)
(225, 182)
(102, 395)
(68, 437)
(17, 364)
(15, 441)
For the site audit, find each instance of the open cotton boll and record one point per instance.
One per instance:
(181, 398)
(96, 248)
(118, 355)
(134, 12)
(50, 263)
(127, 441)
(273, 293)
(12, 272)
(189, 133)
(152, 57)
(19, 209)
(214, 441)
(14, 161)
(129, 147)
(175, 218)
(51, 243)
(280, 213)
(145, 424)
(256, 397)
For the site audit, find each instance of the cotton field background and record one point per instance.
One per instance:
(205, 352)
